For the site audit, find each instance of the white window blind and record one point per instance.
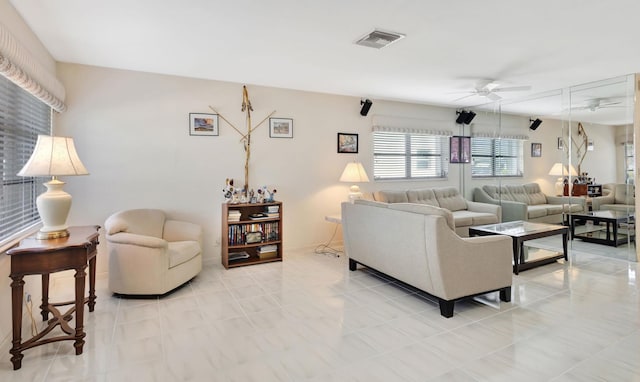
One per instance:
(494, 157)
(22, 118)
(630, 162)
(409, 156)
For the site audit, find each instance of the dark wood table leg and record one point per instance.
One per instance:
(516, 255)
(17, 290)
(44, 308)
(564, 246)
(92, 284)
(80, 280)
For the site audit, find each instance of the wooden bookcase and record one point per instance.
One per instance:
(234, 238)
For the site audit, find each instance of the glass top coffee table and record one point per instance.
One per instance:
(604, 227)
(521, 231)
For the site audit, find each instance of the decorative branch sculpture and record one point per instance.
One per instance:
(245, 138)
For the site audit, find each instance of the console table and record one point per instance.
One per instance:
(43, 257)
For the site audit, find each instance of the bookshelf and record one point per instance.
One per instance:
(257, 238)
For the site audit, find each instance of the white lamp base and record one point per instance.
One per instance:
(354, 193)
(53, 207)
(559, 187)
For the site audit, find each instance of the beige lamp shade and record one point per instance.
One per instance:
(53, 156)
(560, 170)
(354, 173)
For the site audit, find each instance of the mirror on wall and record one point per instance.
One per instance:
(587, 132)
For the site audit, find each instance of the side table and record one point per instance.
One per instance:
(43, 257)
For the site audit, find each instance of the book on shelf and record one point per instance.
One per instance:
(238, 256)
(268, 251)
(234, 216)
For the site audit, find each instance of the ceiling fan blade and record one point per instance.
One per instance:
(493, 96)
(512, 89)
(461, 98)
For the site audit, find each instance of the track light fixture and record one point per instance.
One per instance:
(366, 105)
(465, 117)
(535, 123)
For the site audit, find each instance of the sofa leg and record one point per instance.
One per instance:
(505, 294)
(352, 265)
(446, 308)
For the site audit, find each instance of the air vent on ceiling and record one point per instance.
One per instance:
(379, 39)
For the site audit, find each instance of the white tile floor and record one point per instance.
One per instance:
(309, 318)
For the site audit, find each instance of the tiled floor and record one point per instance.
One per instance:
(309, 318)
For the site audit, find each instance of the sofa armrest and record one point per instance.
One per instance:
(175, 230)
(479, 195)
(598, 201)
(512, 211)
(566, 200)
(485, 207)
(135, 239)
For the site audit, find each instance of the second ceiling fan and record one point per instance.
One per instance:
(490, 88)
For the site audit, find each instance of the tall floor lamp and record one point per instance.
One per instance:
(53, 156)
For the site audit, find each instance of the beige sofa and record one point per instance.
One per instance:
(465, 213)
(150, 254)
(527, 202)
(619, 197)
(417, 245)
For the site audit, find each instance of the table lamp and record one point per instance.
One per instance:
(53, 156)
(561, 171)
(354, 173)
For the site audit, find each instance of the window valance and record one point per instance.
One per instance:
(412, 130)
(18, 65)
(520, 137)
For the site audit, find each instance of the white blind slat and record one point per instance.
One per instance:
(22, 118)
(496, 157)
(408, 156)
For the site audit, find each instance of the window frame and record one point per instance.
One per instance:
(410, 155)
(496, 154)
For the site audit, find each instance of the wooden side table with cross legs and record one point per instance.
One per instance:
(43, 257)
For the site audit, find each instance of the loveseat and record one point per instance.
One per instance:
(465, 213)
(528, 202)
(619, 197)
(417, 244)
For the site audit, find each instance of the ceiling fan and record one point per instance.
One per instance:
(489, 89)
(598, 103)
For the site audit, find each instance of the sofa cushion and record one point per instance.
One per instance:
(572, 207)
(554, 209)
(424, 196)
(391, 196)
(425, 209)
(465, 218)
(450, 198)
(498, 193)
(535, 193)
(536, 211)
(182, 251)
(519, 193)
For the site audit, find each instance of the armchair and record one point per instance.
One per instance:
(618, 197)
(150, 254)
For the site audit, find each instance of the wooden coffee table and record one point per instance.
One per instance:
(521, 231)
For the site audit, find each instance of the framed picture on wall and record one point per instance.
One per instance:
(560, 143)
(536, 150)
(281, 127)
(347, 143)
(203, 124)
(459, 149)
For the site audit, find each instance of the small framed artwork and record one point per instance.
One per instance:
(560, 143)
(536, 150)
(590, 145)
(281, 127)
(347, 143)
(203, 124)
(459, 149)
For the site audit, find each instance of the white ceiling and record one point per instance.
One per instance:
(309, 45)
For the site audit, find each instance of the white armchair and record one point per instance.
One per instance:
(150, 254)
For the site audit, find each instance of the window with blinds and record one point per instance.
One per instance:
(492, 157)
(629, 162)
(22, 118)
(409, 156)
